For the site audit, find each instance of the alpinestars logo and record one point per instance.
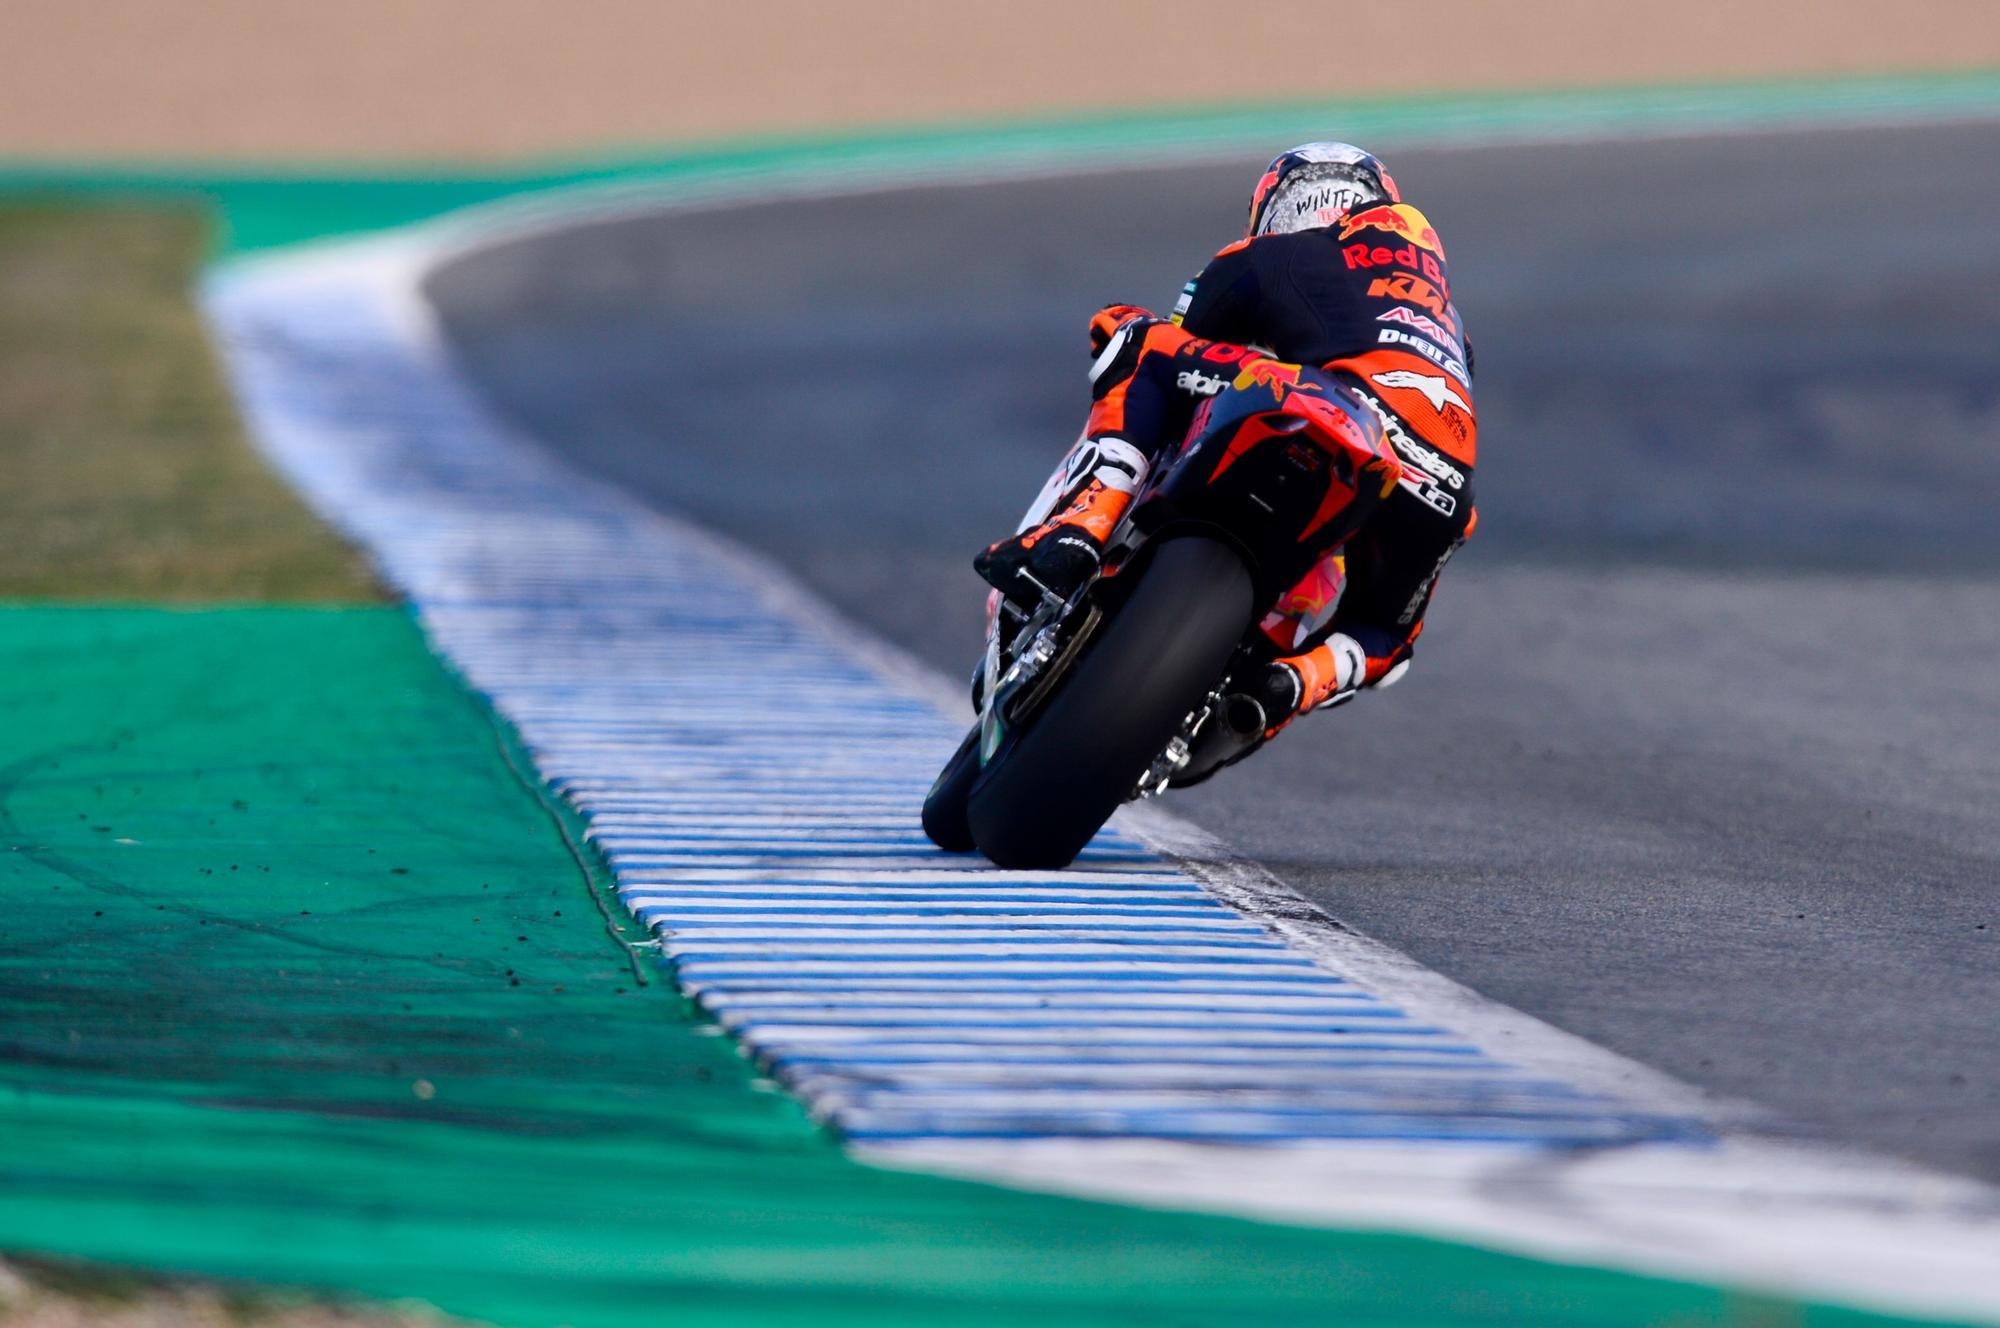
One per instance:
(1200, 384)
(1436, 389)
(1082, 546)
(1423, 472)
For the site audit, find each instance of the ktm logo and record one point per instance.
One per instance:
(1435, 389)
(1412, 289)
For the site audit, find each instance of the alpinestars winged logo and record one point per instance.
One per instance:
(1436, 389)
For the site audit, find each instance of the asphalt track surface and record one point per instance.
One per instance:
(1700, 758)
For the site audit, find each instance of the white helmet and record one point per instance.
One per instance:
(1316, 184)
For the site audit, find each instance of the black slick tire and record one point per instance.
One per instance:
(944, 805)
(1058, 781)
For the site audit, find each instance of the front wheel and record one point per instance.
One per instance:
(944, 805)
(1049, 790)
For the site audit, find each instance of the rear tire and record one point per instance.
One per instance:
(944, 805)
(1060, 779)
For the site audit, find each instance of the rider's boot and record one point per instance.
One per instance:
(1327, 675)
(1064, 551)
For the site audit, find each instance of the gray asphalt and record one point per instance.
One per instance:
(1701, 755)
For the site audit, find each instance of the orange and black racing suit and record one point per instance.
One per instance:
(1368, 300)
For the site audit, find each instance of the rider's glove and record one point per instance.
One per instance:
(1104, 324)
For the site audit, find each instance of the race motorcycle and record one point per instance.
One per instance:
(1140, 680)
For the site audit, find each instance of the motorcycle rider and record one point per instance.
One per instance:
(1336, 273)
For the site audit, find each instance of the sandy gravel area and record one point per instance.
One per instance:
(48, 1294)
(482, 78)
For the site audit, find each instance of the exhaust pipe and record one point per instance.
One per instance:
(1236, 727)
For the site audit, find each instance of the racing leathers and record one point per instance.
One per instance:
(1368, 302)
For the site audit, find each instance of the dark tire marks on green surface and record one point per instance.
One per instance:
(110, 884)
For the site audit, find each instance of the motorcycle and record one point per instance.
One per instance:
(1140, 680)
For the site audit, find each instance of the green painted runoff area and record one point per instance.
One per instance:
(278, 205)
(299, 984)
(301, 980)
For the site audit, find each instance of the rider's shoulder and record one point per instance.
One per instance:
(1252, 251)
(1404, 221)
(1234, 247)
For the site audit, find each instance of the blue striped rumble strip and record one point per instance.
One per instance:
(755, 788)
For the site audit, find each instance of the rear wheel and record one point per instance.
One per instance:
(944, 806)
(1058, 781)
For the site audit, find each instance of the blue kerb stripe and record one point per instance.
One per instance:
(1082, 1019)
(1364, 1058)
(714, 974)
(1073, 964)
(720, 742)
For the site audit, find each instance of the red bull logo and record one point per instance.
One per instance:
(1398, 219)
(1361, 257)
(1274, 374)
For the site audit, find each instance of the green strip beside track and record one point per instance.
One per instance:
(300, 984)
(270, 206)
